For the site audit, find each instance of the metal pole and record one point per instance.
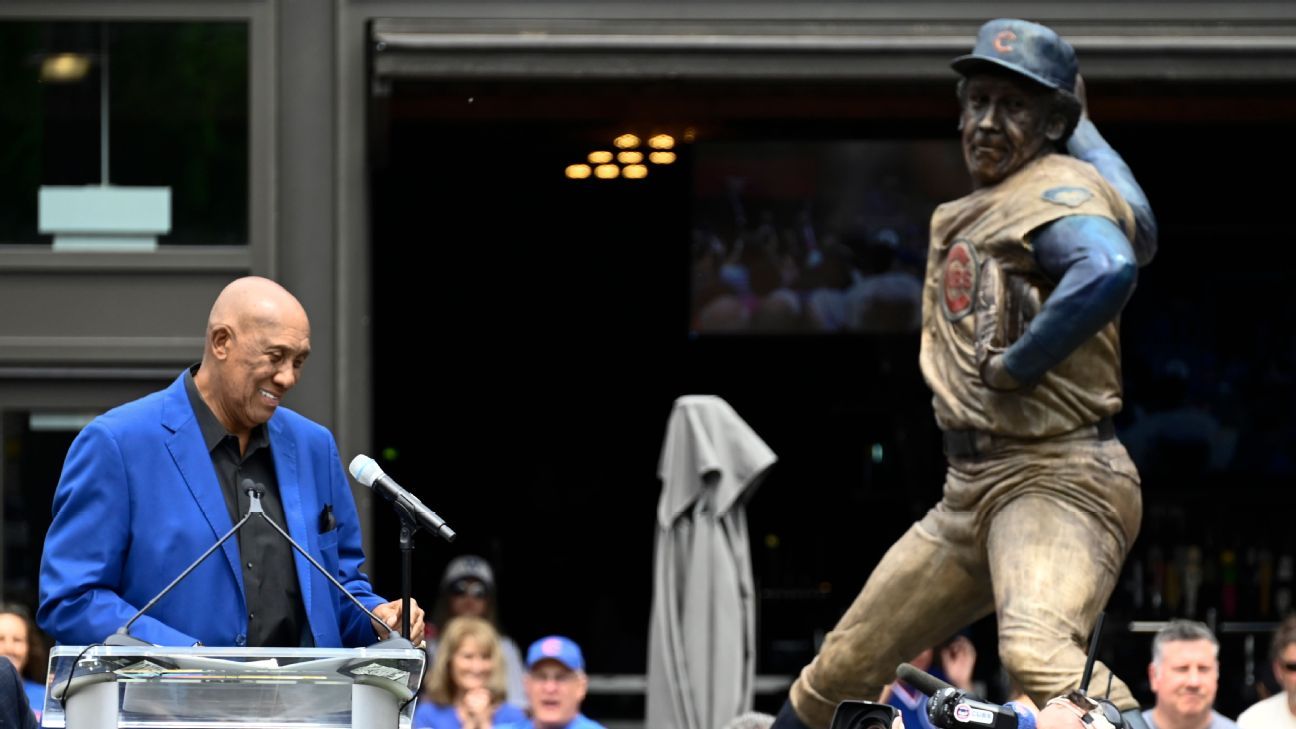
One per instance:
(103, 104)
(407, 580)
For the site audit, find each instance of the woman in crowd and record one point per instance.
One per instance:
(20, 642)
(465, 686)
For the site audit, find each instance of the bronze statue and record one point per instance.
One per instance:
(1026, 277)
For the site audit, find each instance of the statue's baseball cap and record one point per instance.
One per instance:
(556, 648)
(1028, 49)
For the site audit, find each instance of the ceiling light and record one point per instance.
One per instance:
(64, 67)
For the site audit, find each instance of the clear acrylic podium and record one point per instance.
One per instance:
(212, 688)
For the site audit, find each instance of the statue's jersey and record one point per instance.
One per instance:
(995, 224)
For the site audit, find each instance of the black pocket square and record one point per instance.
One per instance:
(327, 522)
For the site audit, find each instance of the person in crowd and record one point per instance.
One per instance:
(465, 686)
(1184, 675)
(951, 661)
(883, 298)
(468, 588)
(556, 685)
(1277, 711)
(21, 643)
(15, 711)
(149, 486)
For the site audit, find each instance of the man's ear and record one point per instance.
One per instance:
(582, 680)
(1055, 127)
(219, 340)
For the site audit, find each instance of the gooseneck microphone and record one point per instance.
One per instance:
(367, 471)
(950, 707)
(254, 491)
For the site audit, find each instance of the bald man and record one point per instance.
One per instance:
(149, 486)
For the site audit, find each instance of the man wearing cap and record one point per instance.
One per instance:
(1026, 278)
(555, 686)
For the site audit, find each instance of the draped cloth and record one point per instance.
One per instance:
(702, 637)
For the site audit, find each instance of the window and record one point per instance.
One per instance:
(176, 117)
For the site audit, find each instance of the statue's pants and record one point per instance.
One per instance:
(1036, 532)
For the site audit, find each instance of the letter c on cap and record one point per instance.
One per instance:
(1001, 41)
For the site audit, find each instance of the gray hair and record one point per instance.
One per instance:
(1181, 630)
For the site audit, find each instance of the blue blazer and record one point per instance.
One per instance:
(139, 500)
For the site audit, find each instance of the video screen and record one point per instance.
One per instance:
(815, 236)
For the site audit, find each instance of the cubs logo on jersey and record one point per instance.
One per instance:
(959, 280)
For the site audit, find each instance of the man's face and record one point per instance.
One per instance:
(1005, 123)
(264, 361)
(1285, 672)
(555, 692)
(1186, 679)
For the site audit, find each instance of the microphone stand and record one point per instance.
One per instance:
(408, 527)
(254, 491)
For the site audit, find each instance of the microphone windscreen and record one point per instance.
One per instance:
(919, 679)
(365, 470)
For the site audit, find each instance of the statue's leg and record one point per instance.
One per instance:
(925, 589)
(1055, 549)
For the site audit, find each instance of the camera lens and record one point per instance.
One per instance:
(863, 715)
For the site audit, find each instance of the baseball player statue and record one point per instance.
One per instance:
(1026, 279)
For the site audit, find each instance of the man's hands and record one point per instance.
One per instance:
(390, 614)
(1004, 307)
(1075, 711)
(1059, 716)
(996, 376)
(958, 658)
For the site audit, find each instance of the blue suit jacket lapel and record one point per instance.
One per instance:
(284, 449)
(194, 463)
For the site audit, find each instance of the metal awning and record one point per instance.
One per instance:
(1259, 46)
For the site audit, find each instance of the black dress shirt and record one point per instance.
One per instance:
(276, 615)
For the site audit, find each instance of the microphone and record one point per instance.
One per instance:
(953, 708)
(254, 491)
(920, 679)
(367, 471)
